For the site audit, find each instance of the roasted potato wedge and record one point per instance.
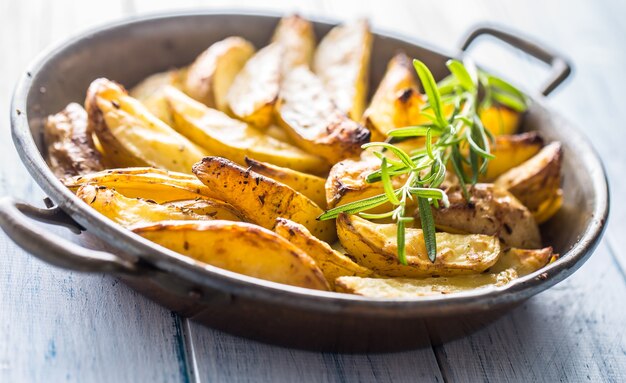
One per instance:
(254, 90)
(536, 180)
(500, 120)
(131, 211)
(332, 263)
(150, 92)
(226, 137)
(212, 73)
(240, 247)
(342, 63)
(213, 208)
(396, 102)
(149, 183)
(511, 151)
(314, 122)
(549, 208)
(374, 246)
(491, 210)
(513, 263)
(261, 199)
(131, 135)
(71, 149)
(297, 37)
(309, 185)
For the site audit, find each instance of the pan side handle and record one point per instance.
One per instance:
(15, 220)
(560, 67)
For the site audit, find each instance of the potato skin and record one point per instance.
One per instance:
(536, 180)
(342, 63)
(239, 247)
(212, 73)
(261, 199)
(514, 263)
(131, 135)
(374, 246)
(332, 263)
(492, 211)
(310, 185)
(150, 183)
(71, 149)
(313, 121)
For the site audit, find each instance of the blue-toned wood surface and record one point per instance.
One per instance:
(57, 325)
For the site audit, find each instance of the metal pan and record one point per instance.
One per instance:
(250, 307)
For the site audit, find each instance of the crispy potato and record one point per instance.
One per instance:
(130, 211)
(71, 149)
(131, 135)
(309, 185)
(491, 210)
(254, 91)
(347, 183)
(511, 151)
(396, 102)
(210, 207)
(240, 247)
(342, 63)
(314, 122)
(226, 137)
(261, 199)
(374, 246)
(332, 263)
(149, 183)
(297, 37)
(514, 263)
(500, 120)
(212, 73)
(549, 208)
(536, 180)
(150, 92)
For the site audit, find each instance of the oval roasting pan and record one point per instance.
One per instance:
(129, 51)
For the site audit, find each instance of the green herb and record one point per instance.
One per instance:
(458, 137)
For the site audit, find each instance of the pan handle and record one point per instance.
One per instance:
(14, 220)
(560, 67)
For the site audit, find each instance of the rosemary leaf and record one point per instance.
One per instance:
(428, 228)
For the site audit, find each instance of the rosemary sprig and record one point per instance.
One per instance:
(454, 133)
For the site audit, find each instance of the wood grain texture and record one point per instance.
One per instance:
(56, 325)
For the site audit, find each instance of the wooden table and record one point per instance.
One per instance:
(57, 325)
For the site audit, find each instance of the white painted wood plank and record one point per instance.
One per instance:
(57, 325)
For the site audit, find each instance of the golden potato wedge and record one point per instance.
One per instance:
(500, 120)
(491, 210)
(240, 247)
(150, 92)
(254, 91)
(261, 199)
(309, 185)
(342, 63)
(396, 102)
(130, 211)
(131, 135)
(314, 122)
(511, 151)
(297, 37)
(212, 73)
(347, 183)
(226, 137)
(149, 183)
(332, 263)
(513, 264)
(71, 149)
(536, 180)
(549, 208)
(374, 246)
(210, 207)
